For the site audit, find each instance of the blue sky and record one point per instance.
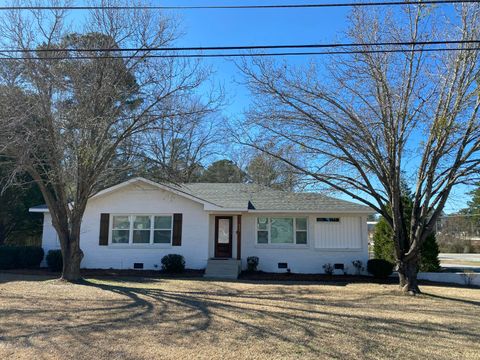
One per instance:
(259, 27)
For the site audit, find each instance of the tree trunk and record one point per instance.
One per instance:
(72, 255)
(71, 265)
(407, 272)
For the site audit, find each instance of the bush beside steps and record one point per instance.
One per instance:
(173, 264)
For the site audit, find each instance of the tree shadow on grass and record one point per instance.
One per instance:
(297, 318)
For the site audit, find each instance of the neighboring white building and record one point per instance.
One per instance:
(134, 224)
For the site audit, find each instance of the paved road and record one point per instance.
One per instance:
(465, 257)
(455, 262)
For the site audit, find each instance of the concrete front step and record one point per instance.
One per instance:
(223, 268)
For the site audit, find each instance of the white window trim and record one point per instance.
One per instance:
(131, 229)
(269, 230)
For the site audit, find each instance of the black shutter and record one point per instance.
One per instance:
(104, 224)
(177, 230)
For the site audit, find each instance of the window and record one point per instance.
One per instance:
(120, 230)
(282, 230)
(162, 232)
(141, 229)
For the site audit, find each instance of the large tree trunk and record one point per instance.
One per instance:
(71, 264)
(407, 272)
(72, 254)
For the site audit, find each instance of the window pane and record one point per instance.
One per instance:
(121, 222)
(163, 222)
(262, 223)
(141, 236)
(141, 222)
(162, 236)
(301, 237)
(262, 237)
(120, 236)
(281, 231)
(223, 236)
(301, 223)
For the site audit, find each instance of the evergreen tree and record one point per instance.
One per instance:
(383, 247)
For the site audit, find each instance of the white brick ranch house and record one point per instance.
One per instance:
(217, 226)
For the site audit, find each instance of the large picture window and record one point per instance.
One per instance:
(282, 230)
(141, 229)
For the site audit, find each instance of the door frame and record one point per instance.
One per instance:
(216, 244)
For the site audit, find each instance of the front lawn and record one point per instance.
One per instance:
(41, 318)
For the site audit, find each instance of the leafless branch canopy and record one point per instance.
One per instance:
(365, 119)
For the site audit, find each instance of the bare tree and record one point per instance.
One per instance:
(177, 149)
(73, 98)
(373, 115)
(270, 171)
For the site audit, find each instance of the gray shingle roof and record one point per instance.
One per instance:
(241, 196)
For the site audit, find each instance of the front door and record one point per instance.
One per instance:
(223, 236)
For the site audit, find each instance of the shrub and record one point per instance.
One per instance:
(328, 268)
(358, 265)
(55, 260)
(20, 257)
(380, 268)
(30, 257)
(252, 263)
(429, 255)
(8, 256)
(173, 263)
(384, 248)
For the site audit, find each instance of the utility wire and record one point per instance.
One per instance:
(244, 47)
(213, 7)
(219, 55)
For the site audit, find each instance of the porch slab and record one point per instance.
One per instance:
(223, 269)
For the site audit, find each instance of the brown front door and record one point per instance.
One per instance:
(223, 236)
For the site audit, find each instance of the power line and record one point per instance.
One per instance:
(221, 55)
(225, 7)
(244, 47)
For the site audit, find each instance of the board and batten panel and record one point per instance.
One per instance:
(345, 234)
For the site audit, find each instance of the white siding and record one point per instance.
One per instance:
(347, 241)
(49, 236)
(140, 200)
(304, 258)
(345, 234)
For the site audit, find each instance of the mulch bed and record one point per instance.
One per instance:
(264, 276)
(189, 273)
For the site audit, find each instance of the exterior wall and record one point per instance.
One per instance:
(304, 258)
(49, 237)
(140, 200)
(198, 236)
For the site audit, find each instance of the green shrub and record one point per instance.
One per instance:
(8, 257)
(384, 248)
(252, 263)
(20, 257)
(380, 268)
(30, 257)
(55, 260)
(429, 255)
(173, 263)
